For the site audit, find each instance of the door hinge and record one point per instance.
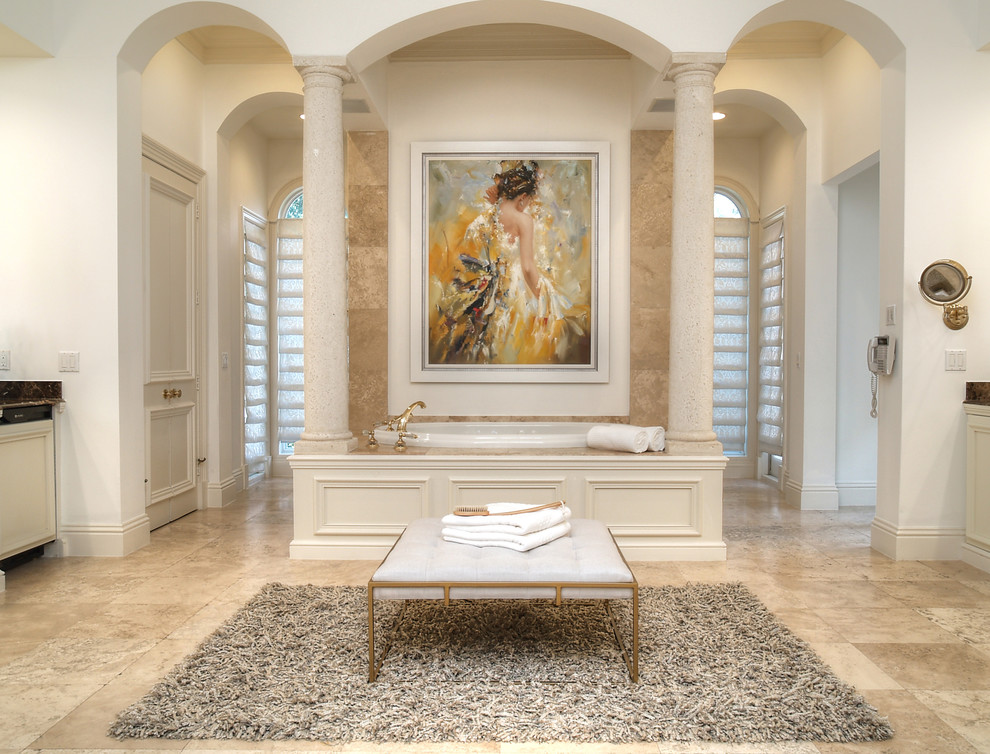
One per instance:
(196, 206)
(197, 384)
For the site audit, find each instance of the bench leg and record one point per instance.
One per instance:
(631, 659)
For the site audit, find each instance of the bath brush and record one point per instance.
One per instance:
(482, 510)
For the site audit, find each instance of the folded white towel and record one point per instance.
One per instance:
(518, 542)
(619, 437)
(513, 523)
(658, 438)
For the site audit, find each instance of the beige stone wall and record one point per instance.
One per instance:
(651, 177)
(367, 292)
(651, 182)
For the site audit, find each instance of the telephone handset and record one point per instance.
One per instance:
(880, 360)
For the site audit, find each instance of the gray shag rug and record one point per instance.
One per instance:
(715, 665)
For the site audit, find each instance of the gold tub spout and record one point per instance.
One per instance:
(403, 419)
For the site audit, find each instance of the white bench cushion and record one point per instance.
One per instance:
(588, 555)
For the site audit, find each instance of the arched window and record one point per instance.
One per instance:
(730, 397)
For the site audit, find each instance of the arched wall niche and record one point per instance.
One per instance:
(776, 108)
(253, 106)
(876, 37)
(413, 29)
(155, 31)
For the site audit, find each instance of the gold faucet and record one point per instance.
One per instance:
(403, 419)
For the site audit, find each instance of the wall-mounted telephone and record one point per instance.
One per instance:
(879, 360)
(880, 354)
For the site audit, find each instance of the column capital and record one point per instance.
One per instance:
(314, 67)
(693, 62)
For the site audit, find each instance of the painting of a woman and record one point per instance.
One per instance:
(510, 264)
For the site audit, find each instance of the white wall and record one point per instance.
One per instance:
(851, 107)
(737, 161)
(531, 101)
(858, 274)
(172, 101)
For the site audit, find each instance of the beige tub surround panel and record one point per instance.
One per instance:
(692, 291)
(324, 259)
(659, 507)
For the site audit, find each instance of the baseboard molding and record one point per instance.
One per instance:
(916, 542)
(225, 492)
(976, 557)
(857, 494)
(811, 497)
(105, 540)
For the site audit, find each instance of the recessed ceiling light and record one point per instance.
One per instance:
(302, 116)
(717, 115)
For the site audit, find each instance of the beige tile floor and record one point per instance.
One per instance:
(81, 638)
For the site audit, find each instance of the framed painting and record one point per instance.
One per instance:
(509, 272)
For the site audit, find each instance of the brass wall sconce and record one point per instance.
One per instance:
(945, 283)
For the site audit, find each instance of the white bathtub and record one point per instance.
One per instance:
(491, 435)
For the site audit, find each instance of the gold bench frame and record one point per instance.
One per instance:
(631, 659)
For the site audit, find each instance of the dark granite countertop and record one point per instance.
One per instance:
(978, 393)
(29, 393)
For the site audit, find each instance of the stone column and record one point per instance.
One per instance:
(692, 268)
(324, 260)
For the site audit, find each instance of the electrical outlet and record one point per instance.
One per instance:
(4, 359)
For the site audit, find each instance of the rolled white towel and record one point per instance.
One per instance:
(518, 542)
(658, 438)
(619, 437)
(511, 523)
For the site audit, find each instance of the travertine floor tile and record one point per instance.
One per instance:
(853, 667)
(881, 624)
(27, 710)
(944, 593)
(972, 625)
(967, 712)
(931, 666)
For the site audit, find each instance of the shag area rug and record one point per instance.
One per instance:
(715, 665)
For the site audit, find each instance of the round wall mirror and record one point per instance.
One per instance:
(945, 283)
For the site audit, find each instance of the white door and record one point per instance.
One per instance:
(171, 344)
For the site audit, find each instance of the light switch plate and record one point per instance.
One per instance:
(4, 359)
(68, 361)
(955, 359)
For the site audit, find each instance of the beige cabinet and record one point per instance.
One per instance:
(976, 550)
(27, 486)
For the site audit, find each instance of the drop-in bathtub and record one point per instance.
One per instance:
(503, 435)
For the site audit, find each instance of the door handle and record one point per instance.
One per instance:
(170, 393)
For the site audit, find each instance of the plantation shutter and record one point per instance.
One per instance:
(731, 367)
(256, 343)
(770, 413)
(289, 324)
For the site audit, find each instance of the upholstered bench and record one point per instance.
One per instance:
(585, 565)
